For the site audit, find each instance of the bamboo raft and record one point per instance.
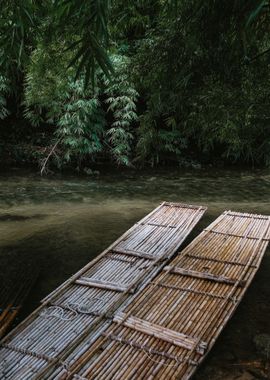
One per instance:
(84, 306)
(171, 325)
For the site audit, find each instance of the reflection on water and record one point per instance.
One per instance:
(60, 224)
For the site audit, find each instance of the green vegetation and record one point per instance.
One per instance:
(134, 82)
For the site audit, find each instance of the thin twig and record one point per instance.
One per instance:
(49, 155)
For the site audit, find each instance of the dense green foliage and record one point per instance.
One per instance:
(203, 96)
(137, 82)
(4, 91)
(89, 120)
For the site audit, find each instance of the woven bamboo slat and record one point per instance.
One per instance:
(160, 332)
(81, 309)
(206, 276)
(94, 283)
(143, 340)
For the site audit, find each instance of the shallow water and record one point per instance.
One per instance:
(59, 224)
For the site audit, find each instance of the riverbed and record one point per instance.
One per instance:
(58, 224)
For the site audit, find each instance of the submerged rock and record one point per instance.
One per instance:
(262, 343)
(214, 373)
(18, 218)
(258, 374)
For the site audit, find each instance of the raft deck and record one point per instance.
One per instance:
(169, 328)
(84, 305)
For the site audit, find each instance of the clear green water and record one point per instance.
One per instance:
(59, 224)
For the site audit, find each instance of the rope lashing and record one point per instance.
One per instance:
(70, 310)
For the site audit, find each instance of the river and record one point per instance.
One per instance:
(60, 223)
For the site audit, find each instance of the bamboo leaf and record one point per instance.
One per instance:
(255, 13)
